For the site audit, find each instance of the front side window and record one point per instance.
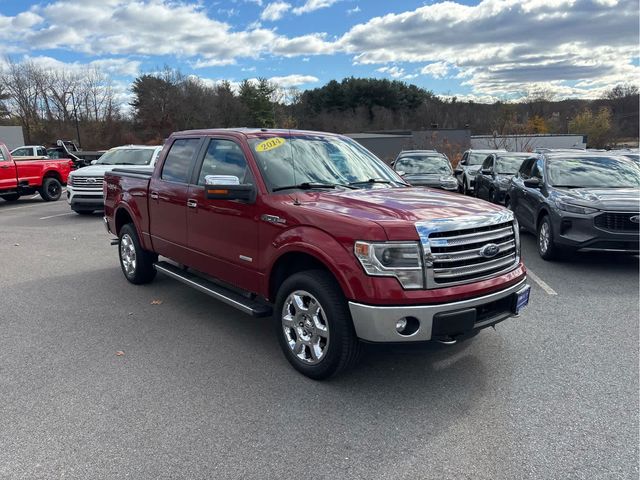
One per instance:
(593, 172)
(42, 152)
(423, 164)
(319, 159)
(525, 169)
(178, 162)
(488, 162)
(224, 157)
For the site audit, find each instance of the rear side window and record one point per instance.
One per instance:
(179, 159)
(1, 156)
(22, 152)
(42, 152)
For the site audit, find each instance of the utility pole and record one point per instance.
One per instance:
(75, 114)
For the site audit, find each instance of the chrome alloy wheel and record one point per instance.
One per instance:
(305, 327)
(128, 254)
(544, 237)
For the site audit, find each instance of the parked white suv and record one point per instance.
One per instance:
(84, 186)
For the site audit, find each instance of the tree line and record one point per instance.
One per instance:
(49, 102)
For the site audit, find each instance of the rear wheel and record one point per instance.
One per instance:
(314, 326)
(546, 244)
(136, 262)
(51, 189)
(10, 197)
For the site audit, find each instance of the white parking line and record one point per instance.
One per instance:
(41, 204)
(59, 215)
(543, 285)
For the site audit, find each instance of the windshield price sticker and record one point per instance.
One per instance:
(270, 144)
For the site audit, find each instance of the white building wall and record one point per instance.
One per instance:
(527, 143)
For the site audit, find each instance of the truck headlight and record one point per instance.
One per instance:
(70, 180)
(392, 259)
(571, 208)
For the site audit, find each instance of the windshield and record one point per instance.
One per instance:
(509, 165)
(477, 158)
(593, 172)
(129, 156)
(319, 160)
(423, 164)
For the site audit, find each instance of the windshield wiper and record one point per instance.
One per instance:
(371, 180)
(312, 185)
(568, 186)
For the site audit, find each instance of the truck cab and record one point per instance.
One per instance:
(314, 231)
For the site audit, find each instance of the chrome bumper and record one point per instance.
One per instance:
(376, 323)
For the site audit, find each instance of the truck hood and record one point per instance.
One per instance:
(625, 199)
(100, 170)
(396, 209)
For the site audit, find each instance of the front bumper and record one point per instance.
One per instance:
(375, 323)
(579, 232)
(83, 199)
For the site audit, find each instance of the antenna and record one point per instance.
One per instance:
(293, 165)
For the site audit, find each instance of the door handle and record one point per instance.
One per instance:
(153, 195)
(192, 203)
(4, 166)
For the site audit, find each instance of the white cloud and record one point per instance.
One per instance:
(274, 11)
(353, 10)
(436, 69)
(312, 5)
(113, 66)
(394, 72)
(293, 80)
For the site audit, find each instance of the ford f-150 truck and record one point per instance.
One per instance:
(314, 230)
(25, 177)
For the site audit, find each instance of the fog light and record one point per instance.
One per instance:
(401, 325)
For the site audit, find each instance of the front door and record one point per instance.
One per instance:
(168, 195)
(8, 179)
(224, 233)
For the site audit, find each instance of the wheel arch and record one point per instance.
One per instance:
(541, 213)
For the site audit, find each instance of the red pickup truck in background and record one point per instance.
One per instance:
(25, 177)
(314, 230)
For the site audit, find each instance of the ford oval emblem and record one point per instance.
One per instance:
(490, 250)
(635, 219)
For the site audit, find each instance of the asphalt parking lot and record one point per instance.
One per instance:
(203, 391)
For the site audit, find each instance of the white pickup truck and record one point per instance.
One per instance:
(84, 186)
(31, 151)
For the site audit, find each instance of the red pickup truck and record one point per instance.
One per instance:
(25, 177)
(314, 230)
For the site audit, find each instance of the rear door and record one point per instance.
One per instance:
(533, 197)
(483, 180)
(224, 233)
(8, 180)
(518, 191)
(168, 194)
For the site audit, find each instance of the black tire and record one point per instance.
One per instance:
(84, 212)
(547, 248)
(51, 189)
(10, 197)
(142, 270)
(342, 347)
(492, 196)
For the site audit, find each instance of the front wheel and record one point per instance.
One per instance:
(547, 248)
(136, 262)
(51, 189)
(314, 326)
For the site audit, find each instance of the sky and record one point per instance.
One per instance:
(474, 50)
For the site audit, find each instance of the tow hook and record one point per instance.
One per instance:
(447, 340)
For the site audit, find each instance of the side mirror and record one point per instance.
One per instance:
(463, 162)
(533, 182)
(93, 162)
(486, 171)
(228, 187)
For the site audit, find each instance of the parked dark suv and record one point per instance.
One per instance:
(468, 168)
(582, 201)
(492, 181)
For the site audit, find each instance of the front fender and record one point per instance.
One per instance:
(338, 259)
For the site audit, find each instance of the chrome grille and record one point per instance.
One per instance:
(453, 250)
(87, 183)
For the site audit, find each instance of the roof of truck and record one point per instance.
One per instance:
(250, 132)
